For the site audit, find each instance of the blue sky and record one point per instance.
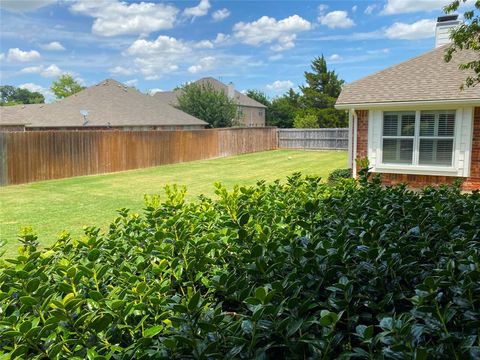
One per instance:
(264, 45)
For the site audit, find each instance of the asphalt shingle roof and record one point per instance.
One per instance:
(109, 103)
(170, 97)
(424, 78)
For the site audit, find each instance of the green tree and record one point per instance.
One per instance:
(65, 86)
(466, 36)
(281, 112)
(320, 94)
(259, 96)
(308, 121)
(11, 95)
(204, 102)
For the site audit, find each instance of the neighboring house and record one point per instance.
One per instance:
(250, 113)
(414, 123)
(107, 105)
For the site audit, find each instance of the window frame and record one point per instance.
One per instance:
(416, 143)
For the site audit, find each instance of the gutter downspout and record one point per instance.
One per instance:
(355, 136)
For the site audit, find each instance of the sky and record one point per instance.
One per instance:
(158, 45)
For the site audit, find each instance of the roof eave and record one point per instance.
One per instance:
(393, 104)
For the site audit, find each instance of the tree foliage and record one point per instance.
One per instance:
(11, 95)
(282, 112)
(320, 94)
(258, 96)
(317, 99)
(308, 121)
(207, 104)
(466, 36)
(65, 86)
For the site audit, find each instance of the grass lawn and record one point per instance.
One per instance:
(69, 204)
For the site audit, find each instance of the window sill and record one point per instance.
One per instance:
(416, 170)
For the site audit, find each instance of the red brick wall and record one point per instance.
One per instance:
(362, 131)
(471, 183)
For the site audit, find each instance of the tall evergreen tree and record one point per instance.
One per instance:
(320, 93)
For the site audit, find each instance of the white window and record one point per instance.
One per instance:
(424, 138)
(398, 137)
(436, 138)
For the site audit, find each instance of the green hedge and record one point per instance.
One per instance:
(339, 174)
(300, 270)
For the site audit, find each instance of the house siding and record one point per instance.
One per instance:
(418, 181)
(251, 116)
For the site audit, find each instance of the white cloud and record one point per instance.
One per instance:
(409, 6)
(354, 8)
(132, 82)
(2, 56)
(53, 46)
(204, 44)
(336, 19)
(24, 5)
(162, 45)
(16, 54)
(32, 69)
(32, 87)
(120, 70)
(153, 91)
(267, 30)
(221, 14)
(200, 10)
(158, 57)
(221, 38)
(335, 57)
(205, 64)
(421, 29)
(279, 85)
(52, 71)
(118, 18)
(322, 8)
(369, 9)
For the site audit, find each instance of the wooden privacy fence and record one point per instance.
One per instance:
(318, 139)
(42, 155)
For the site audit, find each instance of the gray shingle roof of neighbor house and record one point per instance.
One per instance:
(109, 103)
(425, 78)
(170, 97)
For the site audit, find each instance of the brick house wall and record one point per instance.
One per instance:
(418, 181)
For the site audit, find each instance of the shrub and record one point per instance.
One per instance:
(339, 174)
(299, 269)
